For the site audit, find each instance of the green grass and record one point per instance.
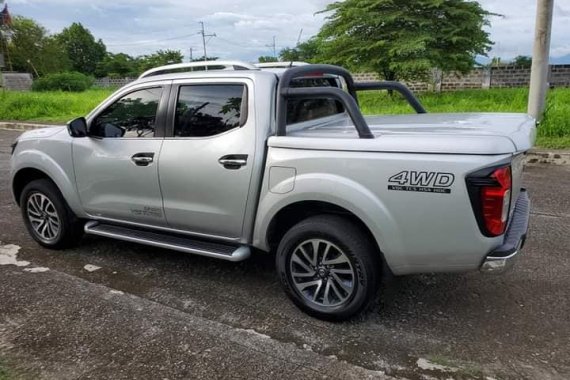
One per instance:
(49, 107)
(4, 374)
(554, 132)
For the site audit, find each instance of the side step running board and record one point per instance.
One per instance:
(174, 242)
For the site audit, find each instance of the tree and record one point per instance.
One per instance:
(202, 59)
(82, 50)
(404, 39)
(31, 49)
(306, 51)
(267, 58)
(496, 61)
(160, 58)
(117, 65)
(522, 61)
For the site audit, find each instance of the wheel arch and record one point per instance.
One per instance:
(51, 171)
(295, 212)
(25, 176)
(327, 193)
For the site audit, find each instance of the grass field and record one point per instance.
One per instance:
(4, 375)
(50, 107)
(554, 132)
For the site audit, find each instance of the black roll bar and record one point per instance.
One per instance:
(396, 86)
(349, 100)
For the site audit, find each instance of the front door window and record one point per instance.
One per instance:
(132, 116)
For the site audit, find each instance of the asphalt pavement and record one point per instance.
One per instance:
(110, 309)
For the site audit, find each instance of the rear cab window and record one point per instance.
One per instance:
(300, 110)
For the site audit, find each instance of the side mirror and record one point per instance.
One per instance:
(77, 127)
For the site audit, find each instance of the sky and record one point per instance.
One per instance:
(244, 30)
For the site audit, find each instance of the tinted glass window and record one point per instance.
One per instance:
(299, 110)
(207, 110)
(134, 115)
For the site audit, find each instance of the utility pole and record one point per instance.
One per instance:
(540, 54)
(204, 35)
(190, 54)
(299, 38)
(274, 48)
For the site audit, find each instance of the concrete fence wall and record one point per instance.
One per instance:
(113, 82)
(16, 81)
(484, 78)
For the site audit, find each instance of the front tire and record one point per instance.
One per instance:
(47, 217)
(328, 267)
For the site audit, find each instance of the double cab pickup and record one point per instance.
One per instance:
(224, 158)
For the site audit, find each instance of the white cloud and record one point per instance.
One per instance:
(514, 32)
(245, 29)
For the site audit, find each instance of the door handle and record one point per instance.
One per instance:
(143, 159)
(233, 161)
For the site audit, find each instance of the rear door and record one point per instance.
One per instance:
(207, 157)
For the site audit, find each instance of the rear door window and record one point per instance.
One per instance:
(211, 109)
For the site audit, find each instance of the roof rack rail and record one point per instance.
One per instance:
(207, 65)
(279, 64)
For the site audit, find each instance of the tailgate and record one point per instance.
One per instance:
(517, 166)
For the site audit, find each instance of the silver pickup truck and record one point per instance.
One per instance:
(228, 158)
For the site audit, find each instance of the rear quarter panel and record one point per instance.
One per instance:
(415, 231)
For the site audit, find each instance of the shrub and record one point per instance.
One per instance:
(68, 81)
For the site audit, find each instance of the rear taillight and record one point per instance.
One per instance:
(490, 192)
(495, 201)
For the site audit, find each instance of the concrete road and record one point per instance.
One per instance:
(152, 313)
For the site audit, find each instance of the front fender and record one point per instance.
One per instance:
(336, 190)
(52, 158)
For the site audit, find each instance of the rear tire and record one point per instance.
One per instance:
(329, 267)
(47, 217)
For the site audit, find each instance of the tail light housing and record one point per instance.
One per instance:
(490, 194)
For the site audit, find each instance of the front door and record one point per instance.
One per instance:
(116, 167)
(206, 162)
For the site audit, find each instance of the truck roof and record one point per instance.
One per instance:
(216, 69)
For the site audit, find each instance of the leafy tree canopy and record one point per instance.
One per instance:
(404, 39)
(32, 49)
(160, 58)
(82, 50)
(305, 52)
(267, 58)
(522, 61)
(202, 58)
(117, 65)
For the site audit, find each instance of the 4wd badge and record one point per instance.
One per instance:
(425, 182)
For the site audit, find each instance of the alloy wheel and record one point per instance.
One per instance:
(43, 217)
(322, 273)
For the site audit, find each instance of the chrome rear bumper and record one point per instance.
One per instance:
(502, 258)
